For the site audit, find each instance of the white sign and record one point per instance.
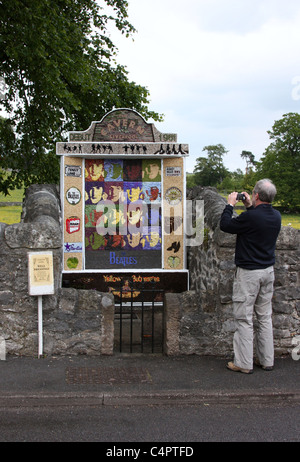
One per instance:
(73, 196)
(173, 171)
(40, 273)
(73, 170)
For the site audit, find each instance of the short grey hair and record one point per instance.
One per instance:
(266, 190)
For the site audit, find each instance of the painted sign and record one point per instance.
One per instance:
(121, 149)
(123, 193)
(121, 125)
(40, 273)
(73, 170)
(132, 283)
(72, 225)
(73, 196)
(173, 171)
(123, 213)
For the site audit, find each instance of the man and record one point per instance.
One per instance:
(257, 230)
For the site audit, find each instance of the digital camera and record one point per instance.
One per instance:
(240, 197)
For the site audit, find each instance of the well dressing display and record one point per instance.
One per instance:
(123, 199)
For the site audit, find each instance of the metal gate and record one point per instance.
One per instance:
(139, 318)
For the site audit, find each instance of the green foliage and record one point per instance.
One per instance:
(190, 180)
(59, 66)
(233, 181)
(250, 159)
(281, 160)
(210, 171)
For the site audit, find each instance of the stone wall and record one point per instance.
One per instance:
(202, 317)
(82, 322)
(74, 321)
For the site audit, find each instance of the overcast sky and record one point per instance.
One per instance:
(222, 71)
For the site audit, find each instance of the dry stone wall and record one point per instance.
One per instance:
(74, 321)
(82, 322)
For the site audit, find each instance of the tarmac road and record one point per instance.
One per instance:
(146, 398)
(175, 425)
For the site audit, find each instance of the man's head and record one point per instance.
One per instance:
(264, 191)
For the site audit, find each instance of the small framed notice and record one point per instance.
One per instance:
(40, 273)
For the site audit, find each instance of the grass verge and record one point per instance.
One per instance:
(10, 214)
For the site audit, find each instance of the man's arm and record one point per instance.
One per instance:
(238, 224)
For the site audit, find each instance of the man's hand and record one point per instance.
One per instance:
(248, 202)
(232, 199)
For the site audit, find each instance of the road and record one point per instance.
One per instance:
(163, 424)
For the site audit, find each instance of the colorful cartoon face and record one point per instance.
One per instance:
(96, 194)
(94, 170)
(154, 239)
(123, 209)
(135, 216)
(116, 192)
(134, 240)
(134, 192)
(151, 170)
(132, 170)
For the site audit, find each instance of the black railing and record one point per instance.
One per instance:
(139, 318)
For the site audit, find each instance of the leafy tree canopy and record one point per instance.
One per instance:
(58, 64)
(281, 160)
(210, 170)
(249, 158)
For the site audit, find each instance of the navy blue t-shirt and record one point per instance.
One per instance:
(257, 230)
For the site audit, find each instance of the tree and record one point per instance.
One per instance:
(210, 171)
(59, 67)
(281, 160)
(233, 181)
(190, 180)
(250, 160)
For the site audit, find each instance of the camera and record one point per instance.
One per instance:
(240, 197)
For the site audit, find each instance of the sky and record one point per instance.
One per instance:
(221, 71)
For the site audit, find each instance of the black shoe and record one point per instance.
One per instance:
(264, 368)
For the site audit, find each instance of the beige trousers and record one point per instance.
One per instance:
(252, 292)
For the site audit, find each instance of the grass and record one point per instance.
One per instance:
(11, 214)
(14, 196)
(287, 219)
(291, 220)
